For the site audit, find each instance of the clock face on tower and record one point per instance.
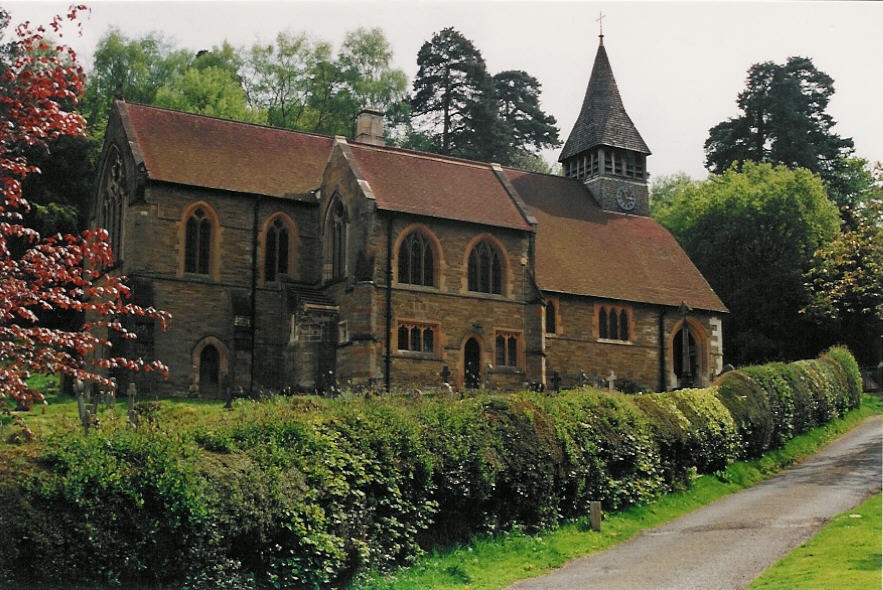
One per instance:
(625, 198)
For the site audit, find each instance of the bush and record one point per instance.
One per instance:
(772, 403)
(608, 450)
(307, 493)
(694, 431)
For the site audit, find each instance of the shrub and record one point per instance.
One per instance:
(609, 452)
(750, 409)
(307, 493)
(772, 403)
(694, 431)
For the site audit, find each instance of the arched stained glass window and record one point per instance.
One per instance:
(416, 260)
(276, 250)
(197, 251)
(485, 274)
(338, 241)
(551, 317)
(623, 325)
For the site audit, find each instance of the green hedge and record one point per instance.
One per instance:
(306, 493)
(772, 403)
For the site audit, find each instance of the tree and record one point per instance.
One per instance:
(753, 235)
(664, 190)
(132, 68)
(846, 281)
(209, 85)
(468, 113)
(281, 79)
(454, 98)
(44, 276)
(211, 90)
(518, 97)
(365, 63)
(783, 121)
(853, 187)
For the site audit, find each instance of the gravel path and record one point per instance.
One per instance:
(727, 544)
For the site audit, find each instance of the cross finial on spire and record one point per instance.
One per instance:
(600, 21)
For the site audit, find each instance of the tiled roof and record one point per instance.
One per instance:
(436, 186)
(602, 119)
(584, 250)
(214, 153)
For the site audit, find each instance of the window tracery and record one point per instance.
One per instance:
(112, 202)
(614, 323)
(198, 242)
(485, 272)
(416, 260)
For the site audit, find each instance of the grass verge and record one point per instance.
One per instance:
(496, 562)
(845, 554)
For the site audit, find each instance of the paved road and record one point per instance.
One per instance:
(727, 544)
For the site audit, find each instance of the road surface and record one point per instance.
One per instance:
(727, 544)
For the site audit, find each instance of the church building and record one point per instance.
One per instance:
(298, 262)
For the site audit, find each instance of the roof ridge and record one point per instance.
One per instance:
(223, 120)
(422, 155)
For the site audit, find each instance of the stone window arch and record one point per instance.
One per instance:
(614, 322)
(336, 228)
(485, 267)
(507, 349)
(417, 256)
(199, 239)
(278, 247)
(551, 316)
(112, 201)
(698, 358)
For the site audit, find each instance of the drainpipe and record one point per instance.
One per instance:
(254, 288)
(662, 350)
(387, 361)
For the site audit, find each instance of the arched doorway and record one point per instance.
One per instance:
(209, 371)
(687, 373)
(472, 364)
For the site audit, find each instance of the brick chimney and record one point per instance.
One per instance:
(369, 127)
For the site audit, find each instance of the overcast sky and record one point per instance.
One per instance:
(679, 65)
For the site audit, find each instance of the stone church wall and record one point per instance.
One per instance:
(455, 312)
(576, 347)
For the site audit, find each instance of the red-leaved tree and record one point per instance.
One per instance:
(43, 277)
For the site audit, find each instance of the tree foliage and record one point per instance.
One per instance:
(213, 90)
(453, 94)
(783, 121)
(41, 277)
(846, 281)
(132, 68)
(469, 113)
(753, 235)
(518, 98)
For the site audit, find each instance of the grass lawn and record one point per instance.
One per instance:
(494, 563)
(845, 554)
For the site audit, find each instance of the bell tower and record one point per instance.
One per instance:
(604, 149)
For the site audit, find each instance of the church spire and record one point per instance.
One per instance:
(605, 150)
(602, 119)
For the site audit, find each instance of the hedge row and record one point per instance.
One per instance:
(306, 493)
